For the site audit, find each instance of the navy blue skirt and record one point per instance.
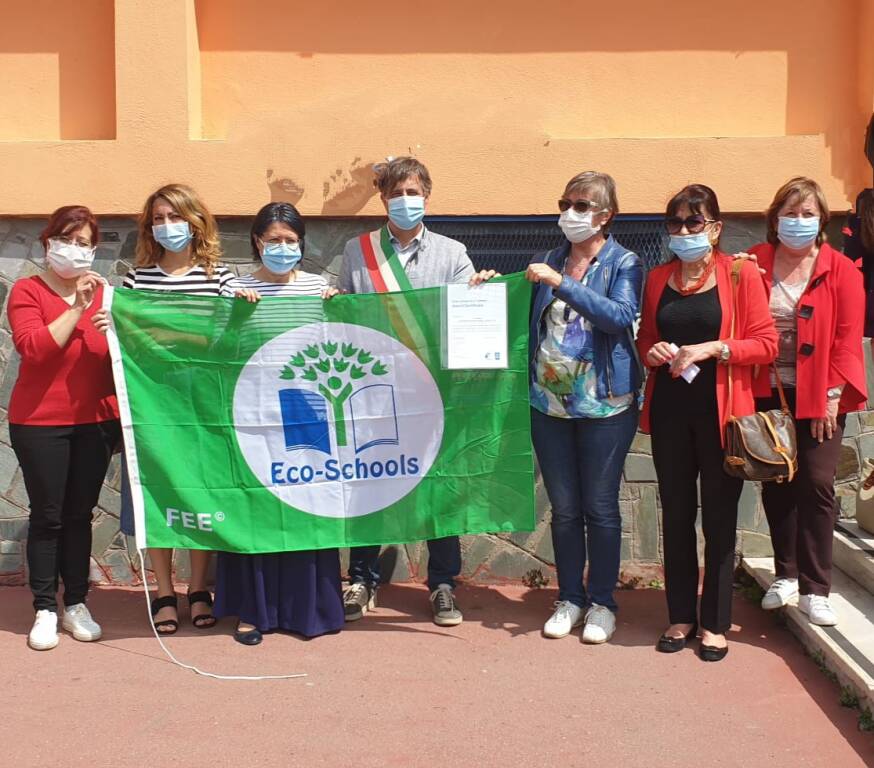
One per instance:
(295, 591)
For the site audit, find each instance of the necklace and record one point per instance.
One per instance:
(695, 286)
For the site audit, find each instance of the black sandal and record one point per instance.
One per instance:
(202, 620)
(172, 625)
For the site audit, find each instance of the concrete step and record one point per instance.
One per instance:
(854, 553)
(847, 649)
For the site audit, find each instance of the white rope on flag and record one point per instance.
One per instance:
(182, 664)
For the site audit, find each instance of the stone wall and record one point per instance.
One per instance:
(487, 558)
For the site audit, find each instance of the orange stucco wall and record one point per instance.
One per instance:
(252, 100)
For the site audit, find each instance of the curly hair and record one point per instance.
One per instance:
(206, 249)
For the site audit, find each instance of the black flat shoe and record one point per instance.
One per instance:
(248, 636)
(673, 644)
(712, 653)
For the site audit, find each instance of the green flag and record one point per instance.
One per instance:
(298, 423)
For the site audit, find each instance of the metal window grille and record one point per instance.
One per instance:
(507, 243)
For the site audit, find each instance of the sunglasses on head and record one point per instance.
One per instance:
(694, 224)
(580, 206)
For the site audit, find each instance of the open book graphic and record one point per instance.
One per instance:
(374, 418)
(305, 420)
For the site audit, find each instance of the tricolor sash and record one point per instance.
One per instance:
(383, 265)
(387, 275)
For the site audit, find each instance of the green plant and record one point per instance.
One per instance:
(335, 374)
(656, 584)
(866, 720)
(818, 658)
(849, 698)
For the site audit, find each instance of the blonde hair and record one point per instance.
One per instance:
(798, 188)
(603, 188)
(205, 246)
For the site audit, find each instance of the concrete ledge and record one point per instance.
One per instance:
(847, 649)
(854, 553)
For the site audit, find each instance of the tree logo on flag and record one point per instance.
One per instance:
(336, 419)
(337, 368)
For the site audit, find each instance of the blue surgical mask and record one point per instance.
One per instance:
(406, 211)
(797, 232)
(690, 247)
(174, 236)
(280, 258)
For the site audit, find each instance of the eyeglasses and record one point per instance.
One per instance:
(694, 224)
(580, 206)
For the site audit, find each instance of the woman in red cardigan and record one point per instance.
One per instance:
(686, 322)
(818, 302)
(63, 419)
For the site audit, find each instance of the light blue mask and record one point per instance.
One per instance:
(174, 236)
(281, 258)
(690, 247)
(406, 211)
(797, 232)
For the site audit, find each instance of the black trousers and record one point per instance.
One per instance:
(63, 470)
(686, 447)
(802, 514)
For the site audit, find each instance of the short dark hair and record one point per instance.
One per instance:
(699, 198)
(389, 174)
(68, 219)
(284, 213)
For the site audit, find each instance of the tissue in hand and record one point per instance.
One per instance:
(690, 371)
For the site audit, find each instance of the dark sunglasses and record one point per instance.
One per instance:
(694, 224)
(580, 206)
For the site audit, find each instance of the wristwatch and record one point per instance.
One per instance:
(724, 353)
(834, 393)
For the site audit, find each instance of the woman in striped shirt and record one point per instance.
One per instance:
(178, 251)
(293, 591)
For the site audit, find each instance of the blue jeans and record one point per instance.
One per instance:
(581, 461)
(444, 563)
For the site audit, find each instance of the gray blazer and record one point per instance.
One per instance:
(439, 260)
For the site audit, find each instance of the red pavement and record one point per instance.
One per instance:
(394, 690)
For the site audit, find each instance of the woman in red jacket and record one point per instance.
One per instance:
(818, 302)
(63, 419)
(687, 312)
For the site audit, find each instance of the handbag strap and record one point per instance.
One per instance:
(736, 267)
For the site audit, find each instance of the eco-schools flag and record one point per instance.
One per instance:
(297, 423)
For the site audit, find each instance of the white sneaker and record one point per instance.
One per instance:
(77, 619)
(818, 610)
(565, 617)
(779, 593)
(600, 624)
(44, 632)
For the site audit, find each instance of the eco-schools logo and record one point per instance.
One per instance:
(337, 420)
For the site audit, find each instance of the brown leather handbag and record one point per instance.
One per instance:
(763, 445)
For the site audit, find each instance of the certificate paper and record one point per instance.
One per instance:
(475, 326)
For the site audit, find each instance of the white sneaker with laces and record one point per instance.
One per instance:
(77, 620)
(600, 624)
(44, 632)
(779, 594)
(565, 617)
(818, 610)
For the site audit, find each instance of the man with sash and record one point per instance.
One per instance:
(401, 255)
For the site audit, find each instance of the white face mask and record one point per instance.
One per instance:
(577, 226)
(69, 260)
